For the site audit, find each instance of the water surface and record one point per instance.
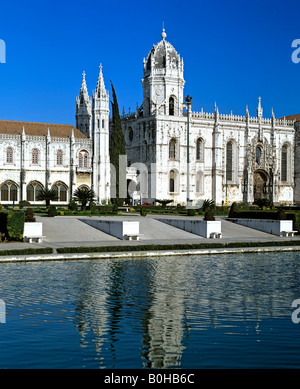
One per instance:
(224, 311)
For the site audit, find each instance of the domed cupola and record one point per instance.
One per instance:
(163, 80)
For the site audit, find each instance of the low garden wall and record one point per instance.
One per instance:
(275, 227)
(199, 227)
(117, 228)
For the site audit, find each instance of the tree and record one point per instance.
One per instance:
(117, 141)
(83, 195)
(47, 195)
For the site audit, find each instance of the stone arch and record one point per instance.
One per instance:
(9, 191)
(260, 184)
(33, 189)
(62, 191)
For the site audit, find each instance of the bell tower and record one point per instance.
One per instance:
(163, 80)
(83, 110)
(101, 160)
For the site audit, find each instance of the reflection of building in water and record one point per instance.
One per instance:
(166, 316)
(91, 312)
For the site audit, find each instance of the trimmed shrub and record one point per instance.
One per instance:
(23, 203)
(143, 211)
(15, 225)
(233, 209)
(191, 212)
(208, 216)
(29, 215)
(52, 211)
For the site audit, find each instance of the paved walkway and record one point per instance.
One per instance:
(72, 231)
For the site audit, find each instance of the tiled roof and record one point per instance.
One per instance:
(292, 117)
(39, 129)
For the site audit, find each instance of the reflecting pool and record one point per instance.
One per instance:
(224, 311)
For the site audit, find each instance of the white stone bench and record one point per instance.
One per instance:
(215, 235)
(33, 232)
(132, 236)
(286, 234)
(31, 239)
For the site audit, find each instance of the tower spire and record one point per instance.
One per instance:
(83, 109)
(100, 88)
(259, 109)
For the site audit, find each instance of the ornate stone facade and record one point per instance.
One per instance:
(232, 158)
(34, 156)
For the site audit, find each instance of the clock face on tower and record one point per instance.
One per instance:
(158, 91)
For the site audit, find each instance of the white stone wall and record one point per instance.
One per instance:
(22, 147)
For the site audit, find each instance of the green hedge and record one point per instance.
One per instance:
(12, 225)
(46, 250)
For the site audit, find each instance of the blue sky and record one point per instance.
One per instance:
(233, 51)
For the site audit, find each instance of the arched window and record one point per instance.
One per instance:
(258, 155)
(35, 156)
(83, 159)
(9, 155)
(4, 192)
(61, 191)
(9, 191)
(172, 149)
(200, 183)
(172, 182)
(171, 106)
(13, 192)
(32, 191)
(229, 161)
(200, 150)
(284, 163)
(59, 158)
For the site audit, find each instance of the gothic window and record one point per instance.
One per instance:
(172, 149)
(284, 163)
(9, 155)
(200, 150)
(32, 191)
(98, 123)
(229, 161)
(173, 181)
(35, 156)
(83, 159)
(61, 191)
(171, 106)
(13, 192)
(258, 155)
(4, 192)
(9, 191)
(103, 122)
(59, 158)
(200, 182)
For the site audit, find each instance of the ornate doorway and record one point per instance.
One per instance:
(260, 185)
